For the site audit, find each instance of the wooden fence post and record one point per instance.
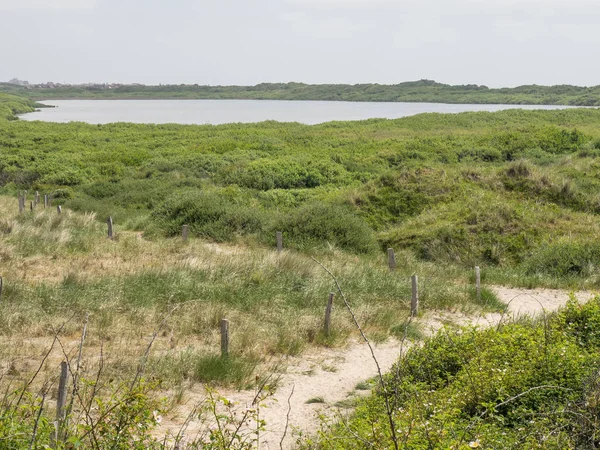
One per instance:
(184, 233)
(61, 401)
(414, 301)
(109, 222)
(21, 203)
(1, 286)
(45, 200)
(328, 314)
(478, 283)
(31, 205)
(58, 209)
(391, 259)
(36, 199)
(224, 338)
(279, 235)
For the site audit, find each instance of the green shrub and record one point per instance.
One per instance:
(531, 385)
(565, 259)
(288, 173)
(317, 223)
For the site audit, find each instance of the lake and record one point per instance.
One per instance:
(245, 111)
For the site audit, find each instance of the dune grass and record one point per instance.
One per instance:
(61, 268)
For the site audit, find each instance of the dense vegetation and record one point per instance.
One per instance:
(524, 385)
(517, 192)
(11, 105)
(513, 190)
(415, 91)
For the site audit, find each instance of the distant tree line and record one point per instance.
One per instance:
(415, 91)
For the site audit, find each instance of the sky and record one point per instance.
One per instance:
(497, 43)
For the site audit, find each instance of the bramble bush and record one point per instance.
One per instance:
(529, 384)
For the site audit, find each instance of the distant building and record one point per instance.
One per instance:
(18, 82)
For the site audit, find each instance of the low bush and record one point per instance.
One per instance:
(316, 223)
(208, 214)
(565, 259)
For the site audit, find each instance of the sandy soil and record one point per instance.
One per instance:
(331, 376)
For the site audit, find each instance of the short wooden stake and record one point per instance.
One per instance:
(61, 400)
(391, 259)
(1, 286)
(31, 205)
(36, 199)
(279, 235)
(184, 233)
(58, 209)
(414, 301)
(224, 338)
(109, 222)
(328, 314)
(45, 200)
(478, 283)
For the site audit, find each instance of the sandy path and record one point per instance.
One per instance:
(332, 374)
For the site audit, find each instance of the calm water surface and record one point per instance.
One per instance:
(246, 111)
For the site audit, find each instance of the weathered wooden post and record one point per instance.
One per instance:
(59, 209)
(1, 286)
(36, 199)
(184, 233)
(21, 203)
(391, 259)
(109, 222)
(45, 200)
(328, 314)
(61, 400)
(279, 235)
(478, 283)
(31, 205)
(414, 301)
(224, 338)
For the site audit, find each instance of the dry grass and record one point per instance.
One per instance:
(59, 268)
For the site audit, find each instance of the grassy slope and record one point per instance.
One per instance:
(516, 191)
(417, 91)
(58, 265)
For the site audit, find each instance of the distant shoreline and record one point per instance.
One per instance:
(423, 91)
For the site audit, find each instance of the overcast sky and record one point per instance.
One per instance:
(492, 42)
